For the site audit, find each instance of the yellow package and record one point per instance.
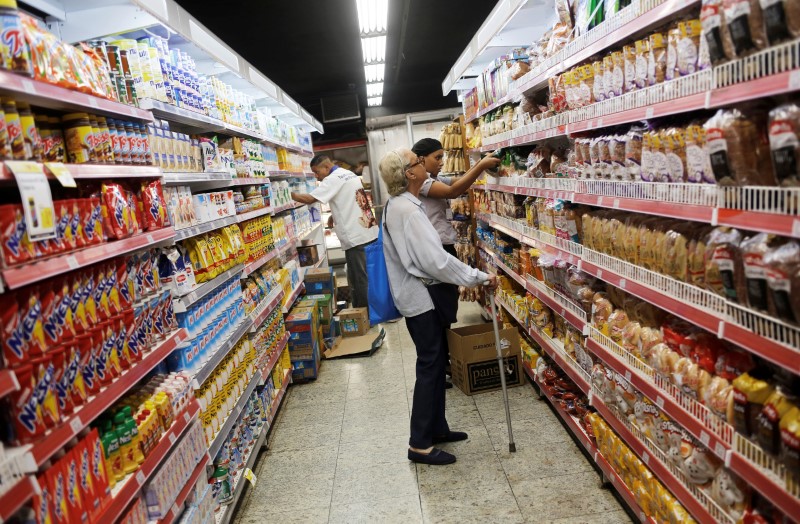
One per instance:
(199, 258)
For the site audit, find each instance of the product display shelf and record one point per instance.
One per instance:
(745, 458)
(58, 438)
(296, 292)
(24, 274)
(193, 178)
(694, 500)
(88, 171)
(207, 368)
(286, 246)
(256, 264)
(263, 310)
(8, 382)
(286, 174)
(638, 17)
(276, 404)
(198, 122)
(274, 356)
(42, 94)
(13, 499)
(286, 207)
(304, 235)
(233, 416)
(173, 515)
(243, 217)
(128, 488)
(609, 473)
(181, 303)
(249, 181)
(554, 350)
(193, 231)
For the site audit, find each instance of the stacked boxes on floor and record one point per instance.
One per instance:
(321, 287)
(303, 327)
(325, 308)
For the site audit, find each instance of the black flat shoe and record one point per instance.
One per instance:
(453, 436)
(436, 457)
(448, 384)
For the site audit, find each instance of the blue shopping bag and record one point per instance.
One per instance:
(381, 303)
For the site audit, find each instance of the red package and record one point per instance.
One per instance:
(76, 235)
(676, 336)
(75, 504)
(155, 212)
(117, 346)
(64, 308)
(17, 247)
(51, 322)
(85, 346)
(86, 481)
(23, 332)
(733, 362)
(112, 286)
(88, 285)
(75, 372)
(99, 295)
(97, 469)
(26, 412)
(93, 222)
(169, 313)
(63, 218)
(100, 351)
(137, 220)
(77, 305)
(123, 353)
(124, 284)
(45, 390)
(42, 503)
(116, 212)
(59, 358)
(57, 480)
(132, 346)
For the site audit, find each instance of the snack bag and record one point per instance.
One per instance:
(75, 503)
(75, 235)
(155, 211)
(57, 480)
(117, 219)
(17, 247)
(76, 387)
(42, 503)
(93, 221)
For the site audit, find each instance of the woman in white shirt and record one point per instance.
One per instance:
(420, 272)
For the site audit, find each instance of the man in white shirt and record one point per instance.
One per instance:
(353, 221)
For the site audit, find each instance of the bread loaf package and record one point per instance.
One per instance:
(781, 19)
(673, 37)
(616, 150)
(783, 281)
(746, 25)
(736, 149)
(724, 272)
(715, 32)
(617, 82)
(755, 269)
(633, 153)
(656, 59)
(749, 395)
(784, 143)
(599, 87)
(675, 152)
(642, 60)
(698, 163)
(689, 35)
(629, 60)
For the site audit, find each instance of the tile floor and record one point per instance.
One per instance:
(338, 454)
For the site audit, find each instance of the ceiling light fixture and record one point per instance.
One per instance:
(373, 49)
(372, 16)
(375, 90)
(374, 72)
(375, 101)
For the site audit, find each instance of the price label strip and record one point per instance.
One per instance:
(61, 172)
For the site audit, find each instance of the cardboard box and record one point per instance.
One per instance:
(320, 280)
(473, 358)
(305, 369)
(308, 255)
(354, 322)
(323, 302)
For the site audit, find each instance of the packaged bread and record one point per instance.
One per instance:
(783, 281)
(673, 37)
(629, 61)
(768, 420)
(689, 34)
(633, 153)
(718, 397)
(595, 169)
(616, 151)
(675, 253)
(642, 60)
(724, 272)
(781, 20)
(749, 395)
(647, 242)
(753, 251)
(715, 32)
(601, 311)
(784, 143)
(608, 77)
(746, 25)
(616, 324)
(790, 441)
(617, 74)
(585, 85)
(658, 264)
(698, 164)
(735, 147)
(571, 94)
(656, 59)
(647, 171)
(630, 239)
(598, 88)
(696, 257)
(675, 153)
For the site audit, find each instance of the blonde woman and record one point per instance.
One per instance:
(420, 271)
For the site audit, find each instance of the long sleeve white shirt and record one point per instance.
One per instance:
(414, 252)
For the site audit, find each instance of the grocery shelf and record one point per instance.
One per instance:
(193, 231)
(274, 356)
(693, 499)
(763, 335)
(250, 268)
(263, 310)
(126, 490)
(183, 302)
(42, 94)
(286, 174)
(8, 382)
(302, 236)
(233, 416)
(782, 490)
(189, 178)
(286, 207)
(609, 472)
(276, 404)
(92, 171)
(211, 363)
(296, 292)
(39, 452)
(13, 499)
(29, 273)
(249, 181)
(175, 511)
(249, 215)
(197, 121)
(226, 513)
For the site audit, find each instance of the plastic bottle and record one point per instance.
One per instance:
(138, 454)
(111, 450)
(125, 443)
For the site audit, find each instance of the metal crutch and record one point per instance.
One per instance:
(512, 447)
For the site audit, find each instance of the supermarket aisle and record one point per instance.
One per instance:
(338, 454)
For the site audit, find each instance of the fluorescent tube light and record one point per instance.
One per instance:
(374, 72)
(372, 15)
(374, 101)
(373, 49)
(375, 89)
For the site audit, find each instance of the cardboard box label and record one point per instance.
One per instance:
(485, 376)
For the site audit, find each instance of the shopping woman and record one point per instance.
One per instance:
(420, 271)
(434, 194)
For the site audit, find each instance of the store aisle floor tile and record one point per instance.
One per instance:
(337, 454)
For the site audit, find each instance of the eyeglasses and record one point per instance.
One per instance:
(415, 164)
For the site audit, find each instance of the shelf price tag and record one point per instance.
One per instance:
(37, 201)
(76, 424)
(62, 174)
(645, 457)
(140, 477)
(250, 476)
